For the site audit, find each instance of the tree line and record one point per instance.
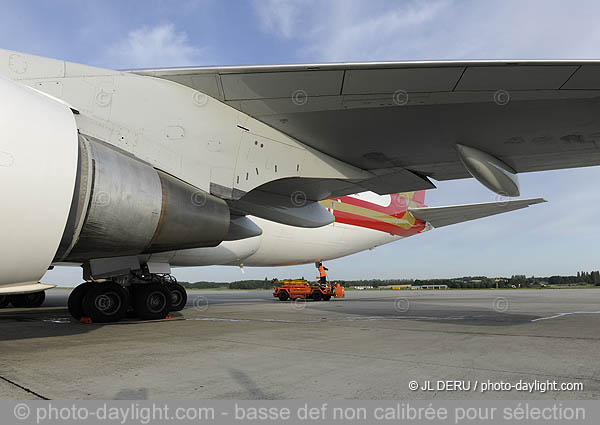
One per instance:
(466, 282)
(238, 284)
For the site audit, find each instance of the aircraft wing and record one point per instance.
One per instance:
(444, 216)
(410, 116)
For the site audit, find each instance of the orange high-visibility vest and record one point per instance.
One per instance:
(322, 271)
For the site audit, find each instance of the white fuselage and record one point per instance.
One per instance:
(282, 245)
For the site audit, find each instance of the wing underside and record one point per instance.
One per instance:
(533, 115)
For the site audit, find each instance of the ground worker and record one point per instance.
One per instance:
(322, 273)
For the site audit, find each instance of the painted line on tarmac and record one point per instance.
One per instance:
(27, 390)
(558, 315)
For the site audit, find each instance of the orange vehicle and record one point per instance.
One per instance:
(300, 288)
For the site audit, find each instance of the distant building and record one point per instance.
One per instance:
(431, 287)
(396, 287)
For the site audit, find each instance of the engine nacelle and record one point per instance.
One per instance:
(38, 165)
(71, 198)
(123, 206)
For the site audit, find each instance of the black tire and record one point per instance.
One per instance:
(178, 296)
(4, 301)
(75, 302)
(317, 295)
(105, 302)
(283, 296)
(33, 300)
(326, 297)
(152, 301)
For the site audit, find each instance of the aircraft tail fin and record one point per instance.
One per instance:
(400, 202)
(444, 216)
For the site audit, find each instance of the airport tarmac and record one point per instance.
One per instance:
(369, 345)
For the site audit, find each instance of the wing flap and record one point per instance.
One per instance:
(444, 216)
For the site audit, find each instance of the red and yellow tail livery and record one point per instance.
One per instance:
(387, 213)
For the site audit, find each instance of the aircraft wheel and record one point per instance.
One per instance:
(317, 295)
(326, 297)
(75, 302)
(131, 314)
(105, 302)
(283, 296)
(178, 296)
(152, 301)
(34, 299)
(4, 301)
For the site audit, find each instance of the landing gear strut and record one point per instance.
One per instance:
(144, 295)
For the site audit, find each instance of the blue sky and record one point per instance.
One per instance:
(559, 237)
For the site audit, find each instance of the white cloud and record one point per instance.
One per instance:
(279, 16)
(158, 46)
(343, 30)
(354, 30)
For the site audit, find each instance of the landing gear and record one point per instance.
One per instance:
(178, 296)
(4, 301)
(146, 296)
(151, 301)
(35, 299)
(75, 303)
(105, 302)
(32, 300)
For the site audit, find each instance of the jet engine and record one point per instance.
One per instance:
(124, 206)
(69, 197)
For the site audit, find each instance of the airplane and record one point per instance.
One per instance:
(130, 173)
